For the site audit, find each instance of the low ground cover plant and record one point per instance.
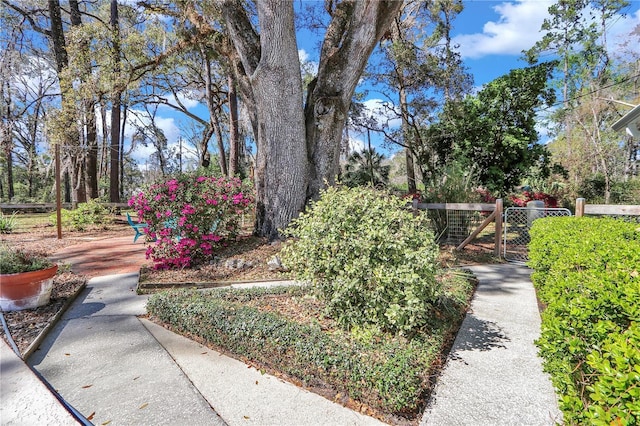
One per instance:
(189, 216)
(283, 329)
(587, 272)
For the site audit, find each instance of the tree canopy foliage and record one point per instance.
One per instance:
(92, 79)
(493, 134)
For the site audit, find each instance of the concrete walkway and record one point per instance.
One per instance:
(116, 368)
(493, 375)
(24, 399)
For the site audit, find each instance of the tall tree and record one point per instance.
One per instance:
(63, 124)
(576, 33)
(493, 133)
(298, 144)
(114, 163)
(419, 64)
(87, 113)
(234, 138)
(66, 122)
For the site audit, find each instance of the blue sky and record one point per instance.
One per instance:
(491, 36)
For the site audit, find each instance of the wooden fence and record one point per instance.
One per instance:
(582, 208)
(49, 207)
(496, 216)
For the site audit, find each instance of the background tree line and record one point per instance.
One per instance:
(86, 75)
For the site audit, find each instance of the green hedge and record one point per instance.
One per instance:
(587, 273)
(389, 374)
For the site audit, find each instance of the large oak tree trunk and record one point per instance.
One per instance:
(281, 167)
(355, 28)
(298, 148)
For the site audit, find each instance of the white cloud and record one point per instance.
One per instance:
(355, 145)
(30, 77)
(303, 55)
(517, 29)
(139, 118)
(624, 35)
(188, 102)
(167, 125)
(383, 112)
(170, 129)
(307, 66)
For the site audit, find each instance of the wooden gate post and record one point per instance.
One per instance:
(498, 238)
(580, 207)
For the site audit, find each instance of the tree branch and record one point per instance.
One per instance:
(242, 34)
(28, 15)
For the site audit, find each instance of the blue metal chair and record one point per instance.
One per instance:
(137, 227)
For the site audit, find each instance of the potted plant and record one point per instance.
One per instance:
(26, 279)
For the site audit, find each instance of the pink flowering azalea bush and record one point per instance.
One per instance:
(189, 216)
(521, 200)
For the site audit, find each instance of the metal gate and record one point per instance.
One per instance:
(517, 222)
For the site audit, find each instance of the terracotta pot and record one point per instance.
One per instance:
(26, 290)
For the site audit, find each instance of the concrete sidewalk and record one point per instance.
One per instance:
(24, 399)
(115, 367)
(493, 375)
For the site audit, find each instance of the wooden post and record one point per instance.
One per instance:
(580, 207)
(498, 237)
(58, 193)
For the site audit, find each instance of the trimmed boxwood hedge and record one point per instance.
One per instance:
(587, 273)
(386, 373)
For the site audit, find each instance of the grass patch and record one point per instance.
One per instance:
(25, 222)
(284, 330)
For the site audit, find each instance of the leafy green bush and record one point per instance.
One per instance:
(587, 272)
(13, 261)
(373, 262)
(390, 374)
(621, 192)
(84, 216)
(7, 223)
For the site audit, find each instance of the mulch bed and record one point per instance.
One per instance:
(27, 325)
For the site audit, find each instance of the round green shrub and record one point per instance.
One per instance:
(86, 215)
(372, 261)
